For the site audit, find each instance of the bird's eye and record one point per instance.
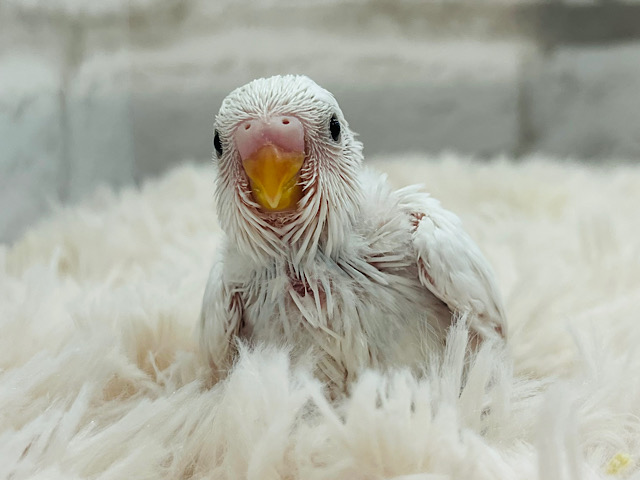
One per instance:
(334, 128)
(216, 144)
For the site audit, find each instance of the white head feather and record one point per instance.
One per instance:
(329, 175)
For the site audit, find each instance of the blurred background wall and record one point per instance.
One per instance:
(116, 91)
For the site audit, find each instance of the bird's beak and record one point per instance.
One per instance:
(272, 154)
(273, 175)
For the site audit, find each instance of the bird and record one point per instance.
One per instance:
(321, 255)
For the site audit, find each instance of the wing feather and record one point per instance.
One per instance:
(452, 267)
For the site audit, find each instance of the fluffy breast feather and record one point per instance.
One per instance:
(366, 308)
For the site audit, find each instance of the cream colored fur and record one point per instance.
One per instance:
(99, 376)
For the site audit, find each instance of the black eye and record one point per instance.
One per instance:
(216, 144)
(334, 128)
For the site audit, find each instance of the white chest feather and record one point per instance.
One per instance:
(366, 308)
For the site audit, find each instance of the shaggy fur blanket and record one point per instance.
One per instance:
(100, 377)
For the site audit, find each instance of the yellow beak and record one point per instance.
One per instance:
(274, 177)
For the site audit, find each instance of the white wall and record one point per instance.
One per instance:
(92, 98)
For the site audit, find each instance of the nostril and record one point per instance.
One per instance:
(285, 121)
(247, 126)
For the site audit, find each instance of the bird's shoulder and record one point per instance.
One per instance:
(450, 263)
(387, 210)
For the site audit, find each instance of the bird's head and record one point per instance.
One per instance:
(287, 169)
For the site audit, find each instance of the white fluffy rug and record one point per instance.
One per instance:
(99, 376)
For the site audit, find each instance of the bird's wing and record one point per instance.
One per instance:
(220, 321)
(451, 266)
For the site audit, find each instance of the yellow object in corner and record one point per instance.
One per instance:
(618, 463)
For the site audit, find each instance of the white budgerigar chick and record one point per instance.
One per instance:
(320, 254)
